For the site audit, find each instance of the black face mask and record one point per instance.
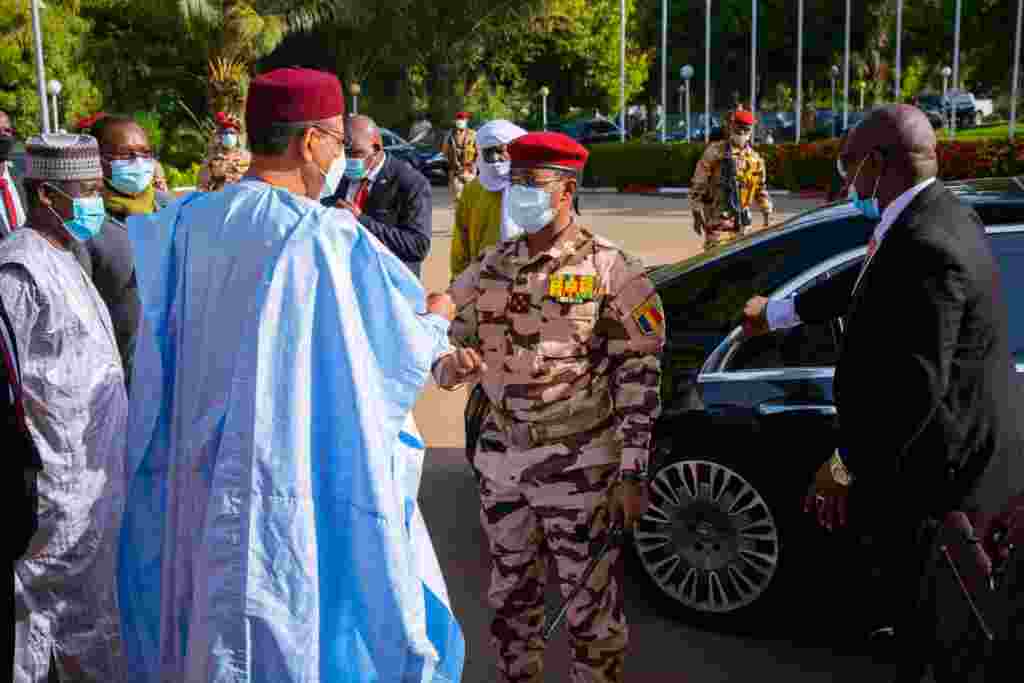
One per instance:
(6, 146)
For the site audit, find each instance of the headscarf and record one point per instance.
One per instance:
(492, 134)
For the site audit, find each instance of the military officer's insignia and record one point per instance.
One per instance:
(519, 303)
(567, 288)
(649, 316)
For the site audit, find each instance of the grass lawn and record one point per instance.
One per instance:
(1001, 130)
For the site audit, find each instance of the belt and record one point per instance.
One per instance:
(524, 434)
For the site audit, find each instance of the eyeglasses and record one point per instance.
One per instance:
(494, 154)
(338, 137)
(146, 154)
(844, 172)
(536, 183)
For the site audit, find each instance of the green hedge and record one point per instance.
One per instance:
(807, 166)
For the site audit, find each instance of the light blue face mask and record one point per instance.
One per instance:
(229, 140)
(132, 176)
(88, 215)
(530, 208)
(355, 169)
(867, 206)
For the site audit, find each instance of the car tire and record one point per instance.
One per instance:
(714, 542)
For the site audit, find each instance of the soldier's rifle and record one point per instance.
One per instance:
(614, 538)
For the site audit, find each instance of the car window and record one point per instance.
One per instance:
(804, 346)
(1000, 214)
(1008, 249)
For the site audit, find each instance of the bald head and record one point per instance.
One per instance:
(903, 135)
(365, 140)
(363, 128)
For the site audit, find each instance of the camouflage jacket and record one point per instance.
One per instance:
(222, 166)
(461, 155)
(563, 333)
(710, 193)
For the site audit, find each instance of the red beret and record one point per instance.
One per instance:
(743, 116)
(291, 96)
(548, 149)
(462, 115)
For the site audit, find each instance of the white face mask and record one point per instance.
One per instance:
(740, 139)
(461, 124)
(530, 208)
(332, 176)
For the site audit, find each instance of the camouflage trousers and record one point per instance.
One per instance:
(561, 519)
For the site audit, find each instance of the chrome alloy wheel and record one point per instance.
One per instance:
(708, 539)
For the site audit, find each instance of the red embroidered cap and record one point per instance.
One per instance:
(293, 95)
(462, 115)
(549, 150)
(743, 116)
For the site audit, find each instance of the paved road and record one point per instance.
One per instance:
(663, 649)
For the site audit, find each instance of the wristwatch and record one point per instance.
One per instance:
(636, 476)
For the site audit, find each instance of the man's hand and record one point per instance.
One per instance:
(441, 304)
(468, 365)
(828, 494)
(342, 204)
(755, 317)
(629, 501)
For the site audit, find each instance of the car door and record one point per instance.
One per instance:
(1008, 247)
(780, 384)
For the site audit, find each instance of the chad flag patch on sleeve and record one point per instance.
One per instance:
(649, 316)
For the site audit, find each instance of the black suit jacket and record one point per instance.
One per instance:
(397, 211)
(927, 395)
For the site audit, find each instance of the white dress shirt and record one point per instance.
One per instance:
(19, 210)
(371, 178)
(781, 313)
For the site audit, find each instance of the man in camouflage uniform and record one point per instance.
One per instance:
(564, 331)
(729, 180)
(459, 149)
(226, 159)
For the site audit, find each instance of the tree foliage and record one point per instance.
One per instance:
(63, 39)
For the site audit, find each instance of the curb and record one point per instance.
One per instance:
(650, 190)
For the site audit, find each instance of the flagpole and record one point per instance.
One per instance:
(44, 109)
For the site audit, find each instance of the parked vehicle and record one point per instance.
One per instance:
(747, 422)
(591, 131)
(965, 106)
(932, 107)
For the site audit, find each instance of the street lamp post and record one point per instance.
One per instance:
(687, 73)
(354, 90)
(753, 57)
(835, 75)
(956, 70)
(544, 92)
(44, 109)
(897, 91)
(799, 66)
(846, 71)
(707, 73)
(946, 71)
(1016, 70)
(622, 70)
(54, 88)
(664, 67)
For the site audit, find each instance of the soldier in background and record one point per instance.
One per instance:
(564, 332)
(460, 150)
(729, 180)
(226, 159)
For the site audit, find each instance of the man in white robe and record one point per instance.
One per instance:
(75, 406)
(271, 532)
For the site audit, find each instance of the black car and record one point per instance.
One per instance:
(592, 131)
(746, 422)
